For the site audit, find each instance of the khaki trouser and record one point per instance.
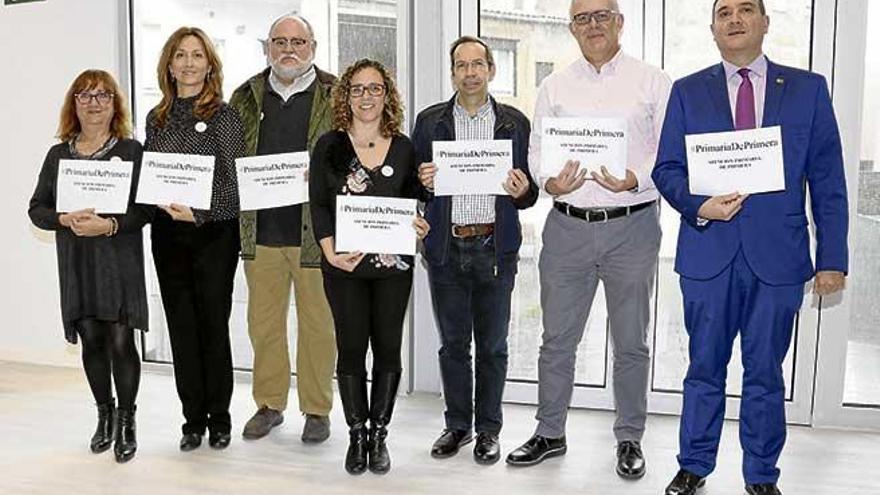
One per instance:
(269, 278)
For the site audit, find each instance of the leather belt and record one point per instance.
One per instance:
(472, 230)
(600, 214)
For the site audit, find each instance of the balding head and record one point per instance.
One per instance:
(610, 5)
(291, 16)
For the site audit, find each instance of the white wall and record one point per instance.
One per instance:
(43, 47)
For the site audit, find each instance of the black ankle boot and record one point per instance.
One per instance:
(380, 460)
(353, 392)
(125, 441)
(103, 437)
(382, 396)
(356, 455)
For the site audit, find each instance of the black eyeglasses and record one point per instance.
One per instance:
(102, 97)
(600, 16)
(373, 89)
(283, 43)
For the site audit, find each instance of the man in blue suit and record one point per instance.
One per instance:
(743, 260)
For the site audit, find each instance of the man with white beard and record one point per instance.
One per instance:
(286, 108)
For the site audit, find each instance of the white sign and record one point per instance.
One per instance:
(472, 167)
(102, 185)
(373, 224)
(270, 181)
(747, 162)
(173, 178)
(592, 141)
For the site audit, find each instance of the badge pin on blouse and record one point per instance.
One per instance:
(387, 171)
(201, 127)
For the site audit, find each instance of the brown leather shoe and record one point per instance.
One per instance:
(261, 423)
(316, 429)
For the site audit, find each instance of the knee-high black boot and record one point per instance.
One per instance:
(103, 437)
(353, 392)
(382, 396)
(125, 442)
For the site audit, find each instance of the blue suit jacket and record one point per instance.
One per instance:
(771, 229)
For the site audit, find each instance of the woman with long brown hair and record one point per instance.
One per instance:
(196, 251)
(368, 293)
(100, 257)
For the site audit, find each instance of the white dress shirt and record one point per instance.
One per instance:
(625, 88)
(758, 76)
(300, 84)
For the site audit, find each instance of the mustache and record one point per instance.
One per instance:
(286, 56)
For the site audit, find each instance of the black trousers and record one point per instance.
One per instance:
(368, 313)
(196, 268)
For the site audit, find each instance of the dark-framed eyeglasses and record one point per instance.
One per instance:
(600, 16)
(374, 89)
(102, 97)
(282, 42)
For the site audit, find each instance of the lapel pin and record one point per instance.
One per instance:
(779, 80)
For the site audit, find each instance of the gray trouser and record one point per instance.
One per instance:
(622, 253)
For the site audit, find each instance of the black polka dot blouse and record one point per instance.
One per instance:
(221, 136)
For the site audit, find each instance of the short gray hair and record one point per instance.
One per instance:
(294, 16)
(614, 6)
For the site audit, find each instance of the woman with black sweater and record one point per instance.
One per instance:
(368, 292)
(100, 257)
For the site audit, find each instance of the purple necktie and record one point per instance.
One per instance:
(745, 103)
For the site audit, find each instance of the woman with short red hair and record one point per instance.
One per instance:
(100, 257)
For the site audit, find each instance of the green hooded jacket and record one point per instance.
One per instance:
(248, 100)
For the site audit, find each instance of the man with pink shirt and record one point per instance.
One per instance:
(601, 228)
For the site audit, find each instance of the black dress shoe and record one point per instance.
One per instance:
(536, 449)
(763, 489)
(685, 483)
(630, 460)
(487, 450)
(190, 441)
(219, 440)
(449, 443)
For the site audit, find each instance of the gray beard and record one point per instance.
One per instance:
(289, 74)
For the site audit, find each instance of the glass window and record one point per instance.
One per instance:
(863, 349)
(360, 28)
(504, 51)
(689, 47)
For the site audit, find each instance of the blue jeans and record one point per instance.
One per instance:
(472, 299)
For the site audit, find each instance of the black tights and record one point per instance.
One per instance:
(368, 313)
(103, 343)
